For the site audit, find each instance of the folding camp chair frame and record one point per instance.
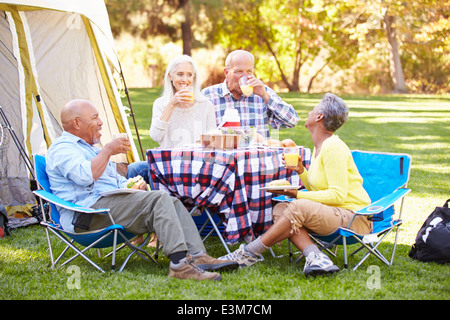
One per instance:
(117, 232)
(344, 233)
(214, 225)
(346, 236)
(209, 219)
(217, 231)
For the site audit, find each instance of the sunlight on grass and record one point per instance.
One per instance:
(444, 169)
(424, 147)
(423, 138)
(14, 255)
(404, 119)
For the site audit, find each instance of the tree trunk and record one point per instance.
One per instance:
(296, 74)
(290, 86)
(395, 65)
(314, 76)
(186, 32)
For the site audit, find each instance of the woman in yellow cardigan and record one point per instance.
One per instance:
(335, 191)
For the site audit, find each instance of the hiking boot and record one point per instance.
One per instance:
(241, 256)
(186, 269)
(207, 263)
(318, 264)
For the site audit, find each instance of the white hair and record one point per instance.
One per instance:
(169, 89)
(235, 52)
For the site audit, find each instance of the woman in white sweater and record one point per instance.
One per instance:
(177, 119)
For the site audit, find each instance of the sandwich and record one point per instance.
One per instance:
(279, 183)
(135, 182)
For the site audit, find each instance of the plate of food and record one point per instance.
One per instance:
(281, 184)
(133, 185)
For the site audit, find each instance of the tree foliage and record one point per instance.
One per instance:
(382, 45)
(381, 65)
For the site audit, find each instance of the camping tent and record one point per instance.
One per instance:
(51, 52)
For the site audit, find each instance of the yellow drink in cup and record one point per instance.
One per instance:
(291, 157)
(245, 88)
(120, 135)
(191, 93)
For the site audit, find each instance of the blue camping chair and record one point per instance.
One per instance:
(104, 238)
(385, 177)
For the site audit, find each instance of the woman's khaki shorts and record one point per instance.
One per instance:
(319, 218)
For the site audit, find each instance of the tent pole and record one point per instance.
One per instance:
(132, 112)
(16, 140)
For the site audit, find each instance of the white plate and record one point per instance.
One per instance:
(280, 188)
(119, 191)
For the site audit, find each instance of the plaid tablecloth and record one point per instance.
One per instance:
(227, 182)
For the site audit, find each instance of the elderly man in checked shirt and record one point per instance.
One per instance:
(262, 108)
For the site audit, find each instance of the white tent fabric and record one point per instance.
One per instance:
(52, 52)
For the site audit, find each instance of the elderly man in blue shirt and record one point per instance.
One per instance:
(259, 110)
(79, 172)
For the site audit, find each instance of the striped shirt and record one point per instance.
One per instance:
(253, 110)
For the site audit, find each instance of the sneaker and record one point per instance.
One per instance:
(241, 256)
(207, 263)
(186, 269)
(318, 264)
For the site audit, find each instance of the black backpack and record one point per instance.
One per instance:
(3, 222)
(433, 239)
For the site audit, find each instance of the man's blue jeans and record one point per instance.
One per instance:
(139, 168)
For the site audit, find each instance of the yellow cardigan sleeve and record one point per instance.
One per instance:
(330, 178)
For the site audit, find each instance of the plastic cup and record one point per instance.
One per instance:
(191, 93)
(120, 135)
(245, 88)
(291, 156)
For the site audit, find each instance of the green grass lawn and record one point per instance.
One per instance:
(414, 124)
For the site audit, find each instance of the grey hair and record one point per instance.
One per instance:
(235, 52)
(334, 110)
(169, 91)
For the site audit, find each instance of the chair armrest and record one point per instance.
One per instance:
(284, 198)
(66, 204)
(383, 203)
(373, 208)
